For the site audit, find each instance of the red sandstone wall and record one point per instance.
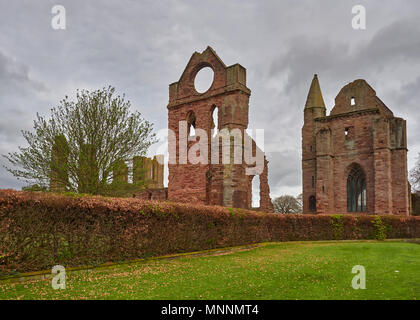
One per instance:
(356, 147)
(309, 155)
(220, 184)
(153, 194)
(375, 140)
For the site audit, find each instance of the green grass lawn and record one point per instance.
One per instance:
(294, 270)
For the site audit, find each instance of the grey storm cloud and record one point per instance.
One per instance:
(17, 90)
(14, 74)
(140, 47)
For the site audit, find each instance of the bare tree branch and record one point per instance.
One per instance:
(287, 204)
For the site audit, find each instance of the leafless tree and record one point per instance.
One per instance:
(415, 175)
(287, 204)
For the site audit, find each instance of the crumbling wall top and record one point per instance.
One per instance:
(357, 96)
(226, 78)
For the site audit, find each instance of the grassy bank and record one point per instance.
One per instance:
(300, 270)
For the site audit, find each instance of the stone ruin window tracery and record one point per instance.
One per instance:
(356, 190)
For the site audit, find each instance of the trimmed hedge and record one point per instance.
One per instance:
(39, 230)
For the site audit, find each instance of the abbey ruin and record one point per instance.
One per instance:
(354, 160)
(213, 183)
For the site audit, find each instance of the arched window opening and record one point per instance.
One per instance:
(192, 131)
(352, 101)
(215, 121)
(256, 192)
(204, 80)
(356, 190)
(191, 124)
(312, 203)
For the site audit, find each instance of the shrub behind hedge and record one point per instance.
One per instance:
(39, 230)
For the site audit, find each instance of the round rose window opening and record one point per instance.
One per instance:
(204, 79)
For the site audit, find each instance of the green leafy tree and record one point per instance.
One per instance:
(81, 147)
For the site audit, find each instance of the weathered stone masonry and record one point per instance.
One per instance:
(151, 171)
(214, 184)
(355, 159)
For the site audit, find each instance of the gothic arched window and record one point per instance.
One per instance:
(191, 123)
(312, 203)
(215, 121)
(356, 190)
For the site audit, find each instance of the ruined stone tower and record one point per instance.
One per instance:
(208, 182)
(355, 159)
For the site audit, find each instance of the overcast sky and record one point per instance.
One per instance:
(140, 47)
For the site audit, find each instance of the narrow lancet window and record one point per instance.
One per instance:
(356, 190)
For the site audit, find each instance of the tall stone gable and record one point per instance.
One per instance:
(228, 96)
(355, 159)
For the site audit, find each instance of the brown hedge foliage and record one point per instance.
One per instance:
(39, 230)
